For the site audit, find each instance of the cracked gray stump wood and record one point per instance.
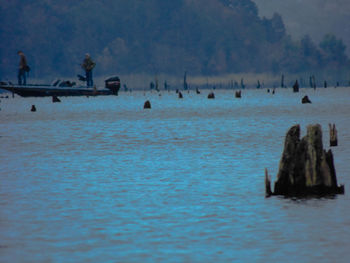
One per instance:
(305, 167)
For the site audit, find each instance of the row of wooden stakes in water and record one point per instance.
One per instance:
(211, 95)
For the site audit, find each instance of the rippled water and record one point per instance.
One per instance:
(100, 179)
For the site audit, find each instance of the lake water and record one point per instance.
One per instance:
(100, 179)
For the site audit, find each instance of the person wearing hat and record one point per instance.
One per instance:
(23, 68)
(88, 65)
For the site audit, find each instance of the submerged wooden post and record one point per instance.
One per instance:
(296, 86)
(333, 135)
(268, 191)
(242, 84)
(185, 81)
(314, 81)
(258, 86)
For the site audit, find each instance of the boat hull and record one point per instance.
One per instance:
(48, 90)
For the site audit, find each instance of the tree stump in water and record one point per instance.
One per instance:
(305, 167)
(55, 99)
(305, 100)
(147, 105)
(333, 135)
(33, 109)
(296, 86)
(238, 94)
(180, 95)
(211, 95)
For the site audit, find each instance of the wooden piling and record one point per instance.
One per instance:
(296, 86)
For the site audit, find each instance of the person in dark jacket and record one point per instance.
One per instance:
(88, 65)
(22, 69)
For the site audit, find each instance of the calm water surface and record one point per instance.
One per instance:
(100, 179)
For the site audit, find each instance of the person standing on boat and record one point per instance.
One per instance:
(23, 68)
(88, 65)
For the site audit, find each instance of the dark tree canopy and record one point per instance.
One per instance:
(333, 49)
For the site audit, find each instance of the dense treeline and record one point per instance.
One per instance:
(154, 36)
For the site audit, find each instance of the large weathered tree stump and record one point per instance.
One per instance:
(305, 167)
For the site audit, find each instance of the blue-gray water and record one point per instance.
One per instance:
(100, 179)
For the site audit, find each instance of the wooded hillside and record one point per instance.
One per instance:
(157, 36)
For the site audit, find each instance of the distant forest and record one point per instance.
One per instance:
(203, 37)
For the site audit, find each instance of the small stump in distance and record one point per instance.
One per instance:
(33, 109)
(211, 95)
(296, 86)
(180, 95)
(305, 100)
(238, 94)
(147, 105)
(55, 99)
(333, 135)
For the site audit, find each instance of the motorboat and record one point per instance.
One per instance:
(62, 88)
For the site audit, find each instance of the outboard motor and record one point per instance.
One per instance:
(113, 84)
